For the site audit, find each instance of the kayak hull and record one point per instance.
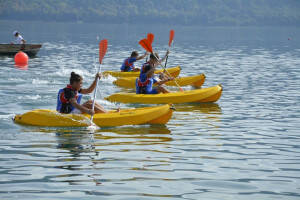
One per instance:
(174, 72)
(210, 94)
(196, 81)
(51, 118)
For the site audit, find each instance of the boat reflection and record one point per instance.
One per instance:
(133, 135)
(135, 130)
(75, 141)
(88, 150)
(207, 114)
(85, 140)
(205, 108)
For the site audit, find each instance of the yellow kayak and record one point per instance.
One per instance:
(210, 94)
(51, 118)
(196, 81)
(174, 71)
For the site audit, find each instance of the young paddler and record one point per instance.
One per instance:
(68, 98)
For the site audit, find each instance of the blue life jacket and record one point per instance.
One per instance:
(62, 100)
(144, 84)
(128, 64)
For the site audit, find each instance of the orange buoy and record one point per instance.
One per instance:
(21, 58)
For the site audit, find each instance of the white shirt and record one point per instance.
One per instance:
(19, 39)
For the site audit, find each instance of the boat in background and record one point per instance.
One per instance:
(196, 81)
(11, 49)
(173, 71)
(205, 95)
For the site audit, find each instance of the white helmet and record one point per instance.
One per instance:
(15, 32)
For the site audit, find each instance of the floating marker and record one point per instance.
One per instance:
(21, 59)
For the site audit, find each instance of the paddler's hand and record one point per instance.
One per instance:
(98, 75)
(167, 52)
(161, 76)
(90, 112)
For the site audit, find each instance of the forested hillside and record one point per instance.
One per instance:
(199, 12)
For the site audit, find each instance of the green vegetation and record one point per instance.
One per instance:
(199, 12)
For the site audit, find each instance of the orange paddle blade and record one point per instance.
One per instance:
(146, 45)
(150, 37)
(102, 49)
(172, 33)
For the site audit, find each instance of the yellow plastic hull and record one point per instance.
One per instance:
(174, 71)
(196, 81)
(210, 94)
(51, 118)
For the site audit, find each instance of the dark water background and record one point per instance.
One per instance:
(245, 146)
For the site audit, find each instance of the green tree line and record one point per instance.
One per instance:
(187, 12)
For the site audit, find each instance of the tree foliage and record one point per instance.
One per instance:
(188, 12)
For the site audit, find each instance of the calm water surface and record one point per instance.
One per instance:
(245, 146)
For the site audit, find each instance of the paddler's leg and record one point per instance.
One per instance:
(98, 108)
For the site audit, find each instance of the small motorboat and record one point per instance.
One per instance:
(11, 49)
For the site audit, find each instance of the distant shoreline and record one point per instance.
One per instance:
(161, 24)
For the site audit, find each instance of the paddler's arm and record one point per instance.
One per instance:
(143, 56)
(80, 107)
(92, 86)
(163, 76)
(165, 80)
(164, 58)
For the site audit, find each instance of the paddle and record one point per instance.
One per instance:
(171, 37)
(148, 47)
(102, 51)
(150, 38)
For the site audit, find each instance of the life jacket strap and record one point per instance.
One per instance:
(143, 84)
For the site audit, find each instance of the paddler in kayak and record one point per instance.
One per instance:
(19, 38)
(144, 84)
(68, 99)
(128, 63)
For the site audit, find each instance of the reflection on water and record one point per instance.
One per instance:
(143, 135)
(205, 108)
(75, 142)
(21, 67)
(137, 130)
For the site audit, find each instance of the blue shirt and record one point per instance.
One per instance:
(128, 64)
(143, 78)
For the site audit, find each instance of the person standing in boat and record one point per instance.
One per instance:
(144, 84)
(68, 98)
(19, 38)
(128, 63)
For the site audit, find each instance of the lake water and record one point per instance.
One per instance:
(245, 146)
